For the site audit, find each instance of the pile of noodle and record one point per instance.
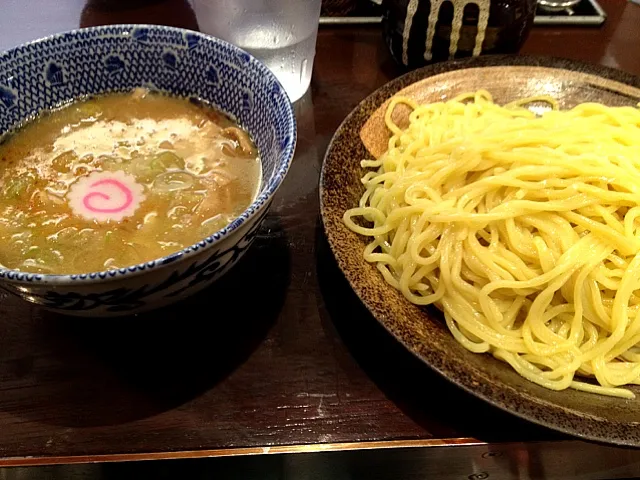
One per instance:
(523, 229)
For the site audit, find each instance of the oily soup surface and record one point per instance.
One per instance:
(120, 179)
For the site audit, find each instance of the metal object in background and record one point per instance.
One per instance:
(557, 5)
(584, 12)
(355, 20)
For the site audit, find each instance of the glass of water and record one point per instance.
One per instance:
(280, 33)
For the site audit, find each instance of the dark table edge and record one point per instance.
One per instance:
(230, 452)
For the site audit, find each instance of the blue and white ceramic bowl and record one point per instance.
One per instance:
(45, 73)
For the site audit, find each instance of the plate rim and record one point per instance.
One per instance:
(584, 425)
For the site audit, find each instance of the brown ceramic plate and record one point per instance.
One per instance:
(423, 332)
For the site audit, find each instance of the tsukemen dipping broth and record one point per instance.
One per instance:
(120, 179)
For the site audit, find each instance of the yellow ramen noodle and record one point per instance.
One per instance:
(523, 229)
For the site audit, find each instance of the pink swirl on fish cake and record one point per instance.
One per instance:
(105, 196)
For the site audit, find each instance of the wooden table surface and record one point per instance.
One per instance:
(280, 356)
